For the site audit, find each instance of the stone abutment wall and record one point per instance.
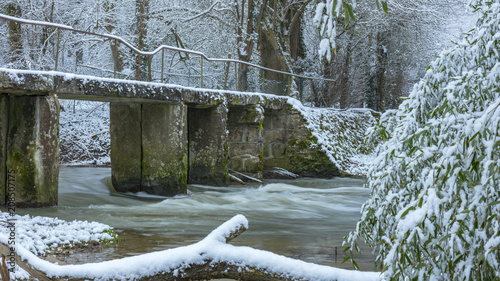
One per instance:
(274, 135)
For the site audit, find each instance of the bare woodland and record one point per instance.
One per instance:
(378, 56)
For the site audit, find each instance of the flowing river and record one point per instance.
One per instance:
(304, 219)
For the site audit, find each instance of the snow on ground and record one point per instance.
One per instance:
(213, 248)
(84, 133)
(43, 235)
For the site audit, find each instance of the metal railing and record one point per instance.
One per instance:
(150, 54)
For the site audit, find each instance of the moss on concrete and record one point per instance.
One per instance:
(32, 150)
(208, 147)
(164, 149)
(4, 110)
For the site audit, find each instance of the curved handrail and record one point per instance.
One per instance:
(157, 50)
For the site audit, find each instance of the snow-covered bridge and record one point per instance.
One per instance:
(162, 136)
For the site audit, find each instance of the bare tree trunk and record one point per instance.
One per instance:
(392, 99)
(271, 57)
(328, 89)
(142, 11)
(376, 95)
(382, 56)
(345, 93)
(247, 24)
(281, 42)
(15, 39)
(46, 30)
(337, 93)
(109, 8)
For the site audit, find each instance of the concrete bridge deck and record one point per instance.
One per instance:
(81, 87)
(162, 136)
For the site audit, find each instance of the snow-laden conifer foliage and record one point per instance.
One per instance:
(434, 213)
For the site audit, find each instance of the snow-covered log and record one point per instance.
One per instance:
(208, 259)
(236, 179)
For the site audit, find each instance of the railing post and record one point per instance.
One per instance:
(201, 72)
(57, 48)
(236, 76)
(189, 74)
(150, 77)
(227, 71)
(162, 63)
(115, 59)
(138, 75)
(263, 80)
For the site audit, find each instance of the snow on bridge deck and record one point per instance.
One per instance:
(81, 87)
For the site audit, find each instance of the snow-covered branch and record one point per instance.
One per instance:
(202, 13)
(207, 259)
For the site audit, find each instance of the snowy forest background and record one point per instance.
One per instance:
(435, 203)
(376, 60)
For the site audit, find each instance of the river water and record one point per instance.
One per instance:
(303, 219)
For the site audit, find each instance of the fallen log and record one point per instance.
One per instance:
(236, 179)
(4, 271)
(245, 176)
(208, 259)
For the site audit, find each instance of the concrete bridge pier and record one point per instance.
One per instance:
(159, 148)
(207, 141)
(29, 150)
(149, 148)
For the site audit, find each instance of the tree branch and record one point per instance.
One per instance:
(202, 13)
(208, 259)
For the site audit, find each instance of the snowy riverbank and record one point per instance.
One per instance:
(42, 235)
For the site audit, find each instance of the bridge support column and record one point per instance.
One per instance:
(29, 150)
(149, 148)
(208, 145)
(4, 128)
(126, 142)
(164, 149)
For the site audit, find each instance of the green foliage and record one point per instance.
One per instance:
(433, 212)
(384, 6)
(349, 15)
(114, 238)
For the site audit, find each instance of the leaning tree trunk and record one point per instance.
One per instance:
(281, 43)
(272, 57)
